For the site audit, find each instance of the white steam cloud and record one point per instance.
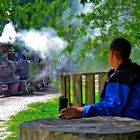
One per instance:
(8, 34)
(41, 41)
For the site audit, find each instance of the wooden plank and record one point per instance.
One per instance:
(90, 88)
(77, 90)
(102, 80)
(63, 85)
(68, 89)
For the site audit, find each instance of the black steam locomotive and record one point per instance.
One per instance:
(21, 71)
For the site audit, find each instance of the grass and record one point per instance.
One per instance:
(33, 111)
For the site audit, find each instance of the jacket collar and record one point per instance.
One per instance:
(125, 64)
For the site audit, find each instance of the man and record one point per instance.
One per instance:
(121, 93)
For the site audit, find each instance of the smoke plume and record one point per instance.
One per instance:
(8, 34)
(41, 41)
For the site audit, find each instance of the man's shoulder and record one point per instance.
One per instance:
(134, 68)
(129, 69)
(128, 76)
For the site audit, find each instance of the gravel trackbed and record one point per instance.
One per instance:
(11, 105)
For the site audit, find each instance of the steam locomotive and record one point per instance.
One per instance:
(22, 72)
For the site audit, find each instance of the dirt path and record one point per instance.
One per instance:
(11, 105)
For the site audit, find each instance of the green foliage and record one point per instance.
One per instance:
(32, 13)
(4, 9)
(113, 19)
(110, 18)
(34, 111)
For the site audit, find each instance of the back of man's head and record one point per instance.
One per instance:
(121, 47)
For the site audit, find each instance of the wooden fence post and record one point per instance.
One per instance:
(68, 89)
(63, 85)
(77, 89)
(90, 88)
(102, 80)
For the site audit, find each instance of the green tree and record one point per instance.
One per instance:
(112, 18)
(5, 9)
(38, 13)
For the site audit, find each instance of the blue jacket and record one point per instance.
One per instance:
(121, 94)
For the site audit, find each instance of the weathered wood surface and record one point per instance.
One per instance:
(78, 82)
(90, 88)
(63, 85)
(77, 90)
(102, 80)
(68, 88)
(97, 128)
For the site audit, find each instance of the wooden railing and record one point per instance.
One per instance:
(80, 88)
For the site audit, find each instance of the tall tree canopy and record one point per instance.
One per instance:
(112, 18)
(106, 19)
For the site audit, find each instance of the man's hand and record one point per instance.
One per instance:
(71, 112)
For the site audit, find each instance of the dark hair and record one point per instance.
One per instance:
(121, 47)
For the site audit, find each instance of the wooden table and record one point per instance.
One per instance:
(96, 128)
